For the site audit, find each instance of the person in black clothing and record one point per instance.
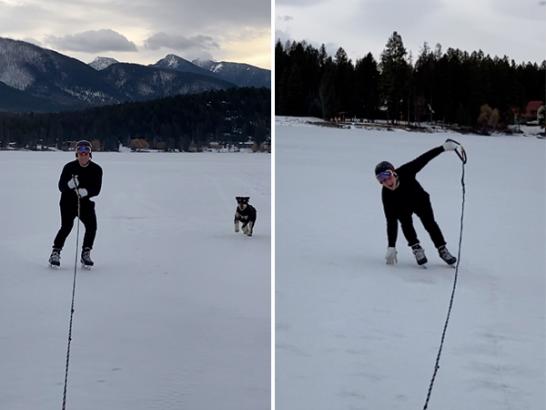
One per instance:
(402, 197)
(81, 178)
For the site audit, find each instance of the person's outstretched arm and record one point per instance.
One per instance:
(413, 167)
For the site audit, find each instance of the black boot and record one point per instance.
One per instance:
(55, 257)
(446, 256)
(86, 257)
(419, 254)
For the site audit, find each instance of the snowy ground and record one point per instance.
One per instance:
(354, 333)
(176, 312)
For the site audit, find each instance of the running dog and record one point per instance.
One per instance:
(246, 214)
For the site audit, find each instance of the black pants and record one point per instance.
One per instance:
(424, 211)
(88, 218)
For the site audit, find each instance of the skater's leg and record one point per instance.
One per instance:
(411, 236)
(67, 222)
(425, 213)
(406, 222)
(89, 220)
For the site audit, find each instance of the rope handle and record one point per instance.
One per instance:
(461, 153)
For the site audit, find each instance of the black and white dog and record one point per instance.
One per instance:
(246, 214)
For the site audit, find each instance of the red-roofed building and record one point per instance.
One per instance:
(531, 110)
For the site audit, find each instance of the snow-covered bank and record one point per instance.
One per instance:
(382, 125)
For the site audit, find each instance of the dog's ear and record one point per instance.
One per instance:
(238, 198)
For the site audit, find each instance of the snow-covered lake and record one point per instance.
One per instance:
(355, 333)
(176, 312)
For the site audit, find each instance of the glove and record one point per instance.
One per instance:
(73, 182)
(82, 192)
(390, 257)
(450, 145)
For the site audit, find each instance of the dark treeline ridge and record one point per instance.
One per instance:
(451, 87)
(228, 116)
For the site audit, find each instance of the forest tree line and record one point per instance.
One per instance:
(228, 116)
(454, 87)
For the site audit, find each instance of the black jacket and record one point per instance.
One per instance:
(89, 177)
(408, 196)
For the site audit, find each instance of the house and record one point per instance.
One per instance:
(532, 109)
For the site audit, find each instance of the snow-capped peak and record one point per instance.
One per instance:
(216, 67)
(100, 63)
(206, 64)
(172, 60)
(212, 66)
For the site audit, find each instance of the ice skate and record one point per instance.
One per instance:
(446, 256)
(86, 258)
(55, 258)
(419, 254)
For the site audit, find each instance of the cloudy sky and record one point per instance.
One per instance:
(498, 27)
(143, 31)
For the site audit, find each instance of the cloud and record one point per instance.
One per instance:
(179, 42)
(395, 13)
(283, 37)
(191, 16)
(33, 41)
(20, 18)
(56, 22)
(92, 41)
(247, 45)
(285, 19)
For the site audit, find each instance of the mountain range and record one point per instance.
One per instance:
(242, 75)
(36, 79)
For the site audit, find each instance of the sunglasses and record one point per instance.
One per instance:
(383, 176)
(84, 149)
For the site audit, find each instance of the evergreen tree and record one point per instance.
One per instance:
(343, 83)
(327, 91)
(366, 85)
(394, 76)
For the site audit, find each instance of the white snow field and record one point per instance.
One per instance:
(176, 312)
(355, 333)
